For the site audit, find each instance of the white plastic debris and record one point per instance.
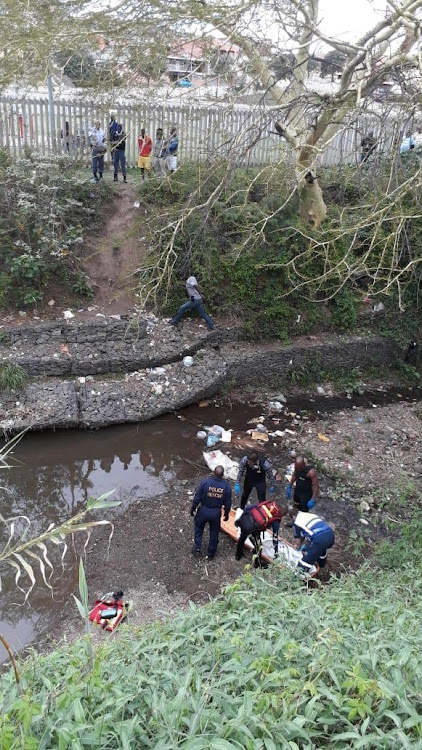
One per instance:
(218, 458)
(157, 389)
(216, 429)
(68, 314)
(226, 436)
(379, 307)
(201, 434)
(188, 361)
(275, 405)
(136, 204)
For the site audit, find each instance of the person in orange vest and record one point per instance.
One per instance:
(258, 518)
(145, 148)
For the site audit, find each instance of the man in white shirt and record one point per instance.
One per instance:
(195, 303)
(98, 148)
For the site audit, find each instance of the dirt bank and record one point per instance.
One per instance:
(150, 556)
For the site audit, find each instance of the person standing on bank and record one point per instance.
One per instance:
(172, 147)
(196, 301)
(307, 486)
(145, 148)
(255, 470)
(98, 149)
(210, 497)
(118, 146)
(159, 155)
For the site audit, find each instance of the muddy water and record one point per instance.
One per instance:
(53, 474)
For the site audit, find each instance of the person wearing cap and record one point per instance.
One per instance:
(196, 301)
(255, 470)
(316, 537)
(211, 496)
(254, 520)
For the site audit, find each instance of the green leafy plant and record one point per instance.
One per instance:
(46, 208)
(13, 377)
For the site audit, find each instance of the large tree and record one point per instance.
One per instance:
(306, 121)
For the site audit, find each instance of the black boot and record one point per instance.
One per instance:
(116, 178)
(124, 178)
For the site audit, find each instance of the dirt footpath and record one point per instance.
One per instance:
(116, 251)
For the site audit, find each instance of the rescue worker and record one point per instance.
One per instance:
(255, 470)
(318, 536)
(254, 520)
(307, 486)
(212, 494)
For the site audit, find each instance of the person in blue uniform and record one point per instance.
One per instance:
(317, 535)
(211, 496)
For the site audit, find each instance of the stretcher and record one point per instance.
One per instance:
(287, 554)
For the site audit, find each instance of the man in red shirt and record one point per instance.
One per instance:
(145, 148)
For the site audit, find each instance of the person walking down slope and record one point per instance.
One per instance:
(255, 470)
(159, 155)
(118, 146)
(210, 497)
(195, 303)
(145, 148)
(254, 520)
(172, 147)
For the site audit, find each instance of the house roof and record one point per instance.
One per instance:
(197, 48)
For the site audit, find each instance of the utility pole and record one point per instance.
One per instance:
(51, 113)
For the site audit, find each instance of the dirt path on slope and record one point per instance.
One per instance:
(115, 252)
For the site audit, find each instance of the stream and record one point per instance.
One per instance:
(53, 475)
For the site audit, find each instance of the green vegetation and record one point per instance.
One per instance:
(258, 264)
(46, 207)
(267, 666)
(12, 377)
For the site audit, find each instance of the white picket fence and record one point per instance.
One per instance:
(243, 132)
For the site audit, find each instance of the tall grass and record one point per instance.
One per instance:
(267, 666)
(12, 377)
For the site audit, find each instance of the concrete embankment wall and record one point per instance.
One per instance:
(96, 351)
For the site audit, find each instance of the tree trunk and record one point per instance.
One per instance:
(312, 209)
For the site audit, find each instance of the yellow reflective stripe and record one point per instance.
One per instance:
(266, 511)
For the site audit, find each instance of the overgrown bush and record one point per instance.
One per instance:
(12, 377)
(267, 666)
(45, 208)
(241, 235)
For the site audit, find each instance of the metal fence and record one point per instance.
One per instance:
(243, 132)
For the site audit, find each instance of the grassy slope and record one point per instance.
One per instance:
(268, 665)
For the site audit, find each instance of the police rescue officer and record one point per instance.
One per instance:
(255, 470)
(254, 520)
(307, 486)
(212, 494)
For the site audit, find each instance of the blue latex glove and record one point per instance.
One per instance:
(272, 490)
(311, 504)
(237, 488)
(288, 491)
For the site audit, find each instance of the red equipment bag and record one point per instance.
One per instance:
(108, 602)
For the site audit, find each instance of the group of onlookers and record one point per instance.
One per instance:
(158, 157)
